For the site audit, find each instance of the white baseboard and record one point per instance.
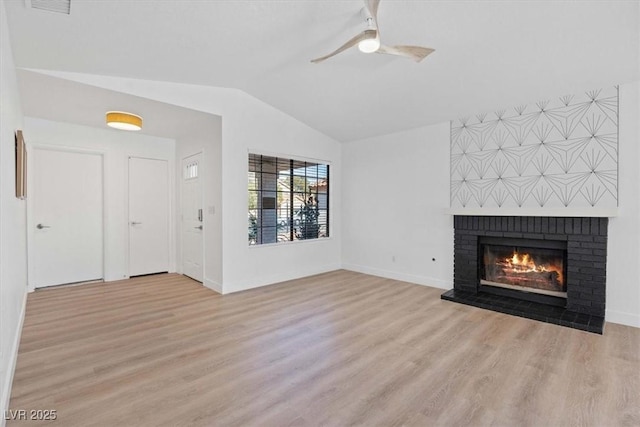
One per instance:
(404, 277)
(13, 359)
(629, 319)
(282, 277)
(213, 285)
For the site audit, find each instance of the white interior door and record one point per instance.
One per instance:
(66, 217)
(148, 216)
(192, 218)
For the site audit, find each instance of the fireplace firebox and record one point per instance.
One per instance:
(551, 269)
(533, 267)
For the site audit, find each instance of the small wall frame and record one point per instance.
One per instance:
(21, 166)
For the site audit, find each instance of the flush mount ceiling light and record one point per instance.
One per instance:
(123, 121)
(60, 6)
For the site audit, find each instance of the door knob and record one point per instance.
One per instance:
(40, 226)
(135, 223)
(198, 227)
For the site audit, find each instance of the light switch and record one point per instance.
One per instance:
(211, 210)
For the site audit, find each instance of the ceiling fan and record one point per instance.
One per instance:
(368, 41)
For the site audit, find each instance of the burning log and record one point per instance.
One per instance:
(548, 280)
(520, 269)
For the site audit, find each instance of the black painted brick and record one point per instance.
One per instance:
(593, 245)
(586, 254)
(585, 225)
(568, 226)
(544, 224)
(513, 235)
(533, 236)
(594, 299)
(578, 262)
(555, 237)
(596, 261)
(463, 232)
(517, 225)
(583, 251)
(587, 238)
(576, 225)
(604, 225)
(590, 270)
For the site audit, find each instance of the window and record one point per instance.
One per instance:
(191, 170)
(288, 200)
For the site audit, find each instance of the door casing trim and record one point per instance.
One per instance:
(31, 147)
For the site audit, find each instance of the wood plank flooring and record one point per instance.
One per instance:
(335, 349)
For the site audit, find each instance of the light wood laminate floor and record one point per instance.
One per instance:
(339, 348)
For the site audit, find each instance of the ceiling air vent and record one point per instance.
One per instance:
(60, 6)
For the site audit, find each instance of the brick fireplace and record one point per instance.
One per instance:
(551, 269)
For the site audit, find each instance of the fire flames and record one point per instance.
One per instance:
(524, 263)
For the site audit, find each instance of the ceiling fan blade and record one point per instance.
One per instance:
(416, 53)
(366, 34)
(372, 7)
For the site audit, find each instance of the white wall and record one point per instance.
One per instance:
(209, 143)
(250, 125)
(263, 129)
(395, 206)
(13, 250)
(623, 252)
(117, 147)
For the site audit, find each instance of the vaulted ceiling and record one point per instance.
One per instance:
(489, 54)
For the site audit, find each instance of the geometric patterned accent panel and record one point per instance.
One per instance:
(556, 153)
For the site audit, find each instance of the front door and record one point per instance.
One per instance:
(65, 223)
(192, 218)
(148, 216)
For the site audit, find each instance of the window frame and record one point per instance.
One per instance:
(292, 194)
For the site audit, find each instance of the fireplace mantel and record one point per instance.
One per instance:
(551, 212)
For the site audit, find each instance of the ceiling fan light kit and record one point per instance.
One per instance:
(368, 41)
(124, 121)
(369, 45)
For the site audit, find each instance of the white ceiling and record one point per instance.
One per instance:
(62, 100)
(489, 54)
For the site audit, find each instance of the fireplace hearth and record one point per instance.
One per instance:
(551, 269)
